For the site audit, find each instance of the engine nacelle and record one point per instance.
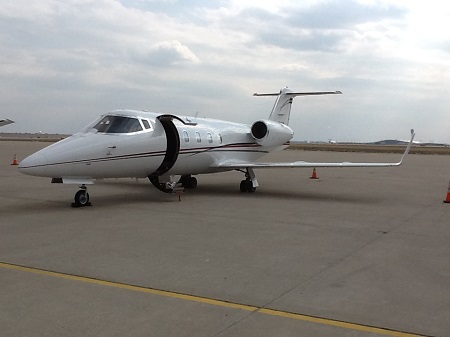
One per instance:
(270, 133)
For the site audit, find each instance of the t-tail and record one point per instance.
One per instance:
(282, 109)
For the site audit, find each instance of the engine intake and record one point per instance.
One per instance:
(259, 130)
(270, 133)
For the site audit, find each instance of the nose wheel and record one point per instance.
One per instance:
(81, 197)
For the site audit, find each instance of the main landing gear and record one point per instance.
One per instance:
(188, 181)
(249, 184)
(81, 197)
(165, 184)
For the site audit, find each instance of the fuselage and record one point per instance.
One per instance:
(129, 143)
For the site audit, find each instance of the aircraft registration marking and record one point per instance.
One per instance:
(215, 302)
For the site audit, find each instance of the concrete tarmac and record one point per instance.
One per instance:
(358, 252)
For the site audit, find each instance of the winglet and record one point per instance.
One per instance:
(413, 134)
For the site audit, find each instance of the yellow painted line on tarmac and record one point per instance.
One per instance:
(336, 323)
(220, 303)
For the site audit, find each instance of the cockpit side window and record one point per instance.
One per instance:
(118, 124)
(146, 124)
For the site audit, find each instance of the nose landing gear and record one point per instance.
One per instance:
(81, 197)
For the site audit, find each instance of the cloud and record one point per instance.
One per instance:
(324, 26)
(344, 14)
(171, 53)
(76, 59)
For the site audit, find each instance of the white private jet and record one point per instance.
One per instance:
(6, 121)
(129, 143)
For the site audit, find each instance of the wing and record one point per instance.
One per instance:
(243, 165)
(5, 122)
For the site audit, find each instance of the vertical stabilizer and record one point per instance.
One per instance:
(282, 109)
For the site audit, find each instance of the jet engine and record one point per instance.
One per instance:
(269, 133)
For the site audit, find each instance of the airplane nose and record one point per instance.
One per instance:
(32, 164)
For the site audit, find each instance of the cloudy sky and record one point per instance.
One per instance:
(63, 63)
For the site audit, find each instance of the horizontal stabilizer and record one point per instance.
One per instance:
(282, 109)
(303, 93)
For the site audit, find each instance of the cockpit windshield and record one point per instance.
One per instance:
(118, 124)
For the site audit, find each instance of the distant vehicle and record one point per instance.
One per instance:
(130, 143)
(6, 121)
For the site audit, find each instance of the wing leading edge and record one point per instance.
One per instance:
(243, 165)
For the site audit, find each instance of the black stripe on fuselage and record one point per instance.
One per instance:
(239, 147)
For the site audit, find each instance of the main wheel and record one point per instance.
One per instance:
(243, 186)
(250, 187)
(192, 183)
(187, 181)
(81, 198)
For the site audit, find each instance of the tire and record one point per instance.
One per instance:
(188, 182)
(243, 186)
(192, 183)
(82, 198)
(250, 187)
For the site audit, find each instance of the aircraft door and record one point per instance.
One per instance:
(173, 145)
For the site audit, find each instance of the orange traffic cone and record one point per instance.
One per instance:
(314, 174)
(447, 200)
(15, 162)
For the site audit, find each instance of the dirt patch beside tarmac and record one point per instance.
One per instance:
(367, 148)
(370, 148)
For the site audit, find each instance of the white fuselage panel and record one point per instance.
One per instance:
(198, 145)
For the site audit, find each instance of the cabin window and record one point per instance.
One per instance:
(186, 136)
(209, 136)
(198, 137)
(118, 124)
(146, 124)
